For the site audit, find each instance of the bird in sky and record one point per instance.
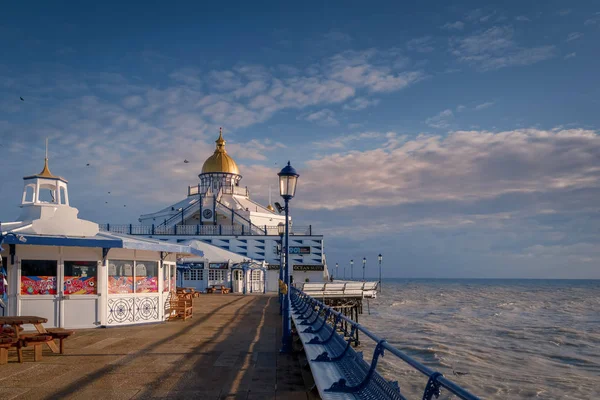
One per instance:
(87, 165)
(22, 99)
(108, 192)
(185, 161)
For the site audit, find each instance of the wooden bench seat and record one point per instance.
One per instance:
(32, 340)
(61, 334)
(181, 308)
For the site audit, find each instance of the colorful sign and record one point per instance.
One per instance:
(306, 267)
(146, 284)
(224, 265)
(120, 284)
(80, 285)
(299, 249)
(32, 285)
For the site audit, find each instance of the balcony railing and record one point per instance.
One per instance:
(201, 230)
(199, 189)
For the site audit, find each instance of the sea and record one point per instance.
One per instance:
(500, 339)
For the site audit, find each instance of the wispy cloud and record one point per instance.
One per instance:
(573, 36)
(522, 18)
(454, 26)
(483, 106)
(323, 117)
(441, 120)
(360, 103)
(570, 55)
(496, 48)
(422, 44)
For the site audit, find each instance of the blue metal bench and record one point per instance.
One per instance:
(342, 373)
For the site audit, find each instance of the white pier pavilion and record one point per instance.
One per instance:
(60, 267)
(219, 211)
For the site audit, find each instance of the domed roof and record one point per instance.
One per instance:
(220, 161)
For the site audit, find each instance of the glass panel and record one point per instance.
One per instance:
(166, 268)
(29, 194)
(146, 277)
(173, 279)
(81, 277)
(120, 276)
(38, 277)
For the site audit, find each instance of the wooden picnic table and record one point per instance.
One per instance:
(37, 322)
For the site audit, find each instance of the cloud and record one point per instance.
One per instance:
(522, 18)
(133, 101)
(188, 75)
(570, 55)
(495, 48)
(422, 44)
(483, 106)
(465, 166)
(460, 108)
(457, 25)
(323, 117)
(360, 103)
(342, 142)
(573, 36)
(441, 120)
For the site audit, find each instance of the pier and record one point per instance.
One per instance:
(228, 350)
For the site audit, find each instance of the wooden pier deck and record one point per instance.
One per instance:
(228, 350)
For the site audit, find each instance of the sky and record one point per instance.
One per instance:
(457, 140)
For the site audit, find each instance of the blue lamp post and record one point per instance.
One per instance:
(281, 231)
(288, 177)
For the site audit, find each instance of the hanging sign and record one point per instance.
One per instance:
(299, 249)
(309, 267)
(272, 266)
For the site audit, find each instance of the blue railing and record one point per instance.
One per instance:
(201, 230)
(321, 314)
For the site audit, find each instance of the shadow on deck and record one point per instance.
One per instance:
(228, 350)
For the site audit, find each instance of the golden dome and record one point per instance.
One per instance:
(220, 161)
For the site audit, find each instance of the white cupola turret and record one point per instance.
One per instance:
(45, 206)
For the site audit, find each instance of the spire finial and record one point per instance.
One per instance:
(220, 141)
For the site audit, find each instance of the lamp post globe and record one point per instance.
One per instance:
(288, 178)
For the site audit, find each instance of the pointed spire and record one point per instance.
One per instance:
(220, 141)
(46, 171)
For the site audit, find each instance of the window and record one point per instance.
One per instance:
(166, 274)
(120, 277)
(80, 277)
(146, 277)
(38, 277)
(29, 190)
(194, 275)
(63, 195)
(256, 276)
(216, 275)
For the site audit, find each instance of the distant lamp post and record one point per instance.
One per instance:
(336, 271)
(364, 265)
(281, 232)
(351, 269)
(288, 178)
(379, 258)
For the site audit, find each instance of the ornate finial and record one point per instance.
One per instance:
(220, 141)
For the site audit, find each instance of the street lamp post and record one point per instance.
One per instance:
(380, 257)
(364, 265)
(281, 231)
(288, 178)
(351, 269)
(336, 271)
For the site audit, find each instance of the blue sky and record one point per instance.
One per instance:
(457, 140)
